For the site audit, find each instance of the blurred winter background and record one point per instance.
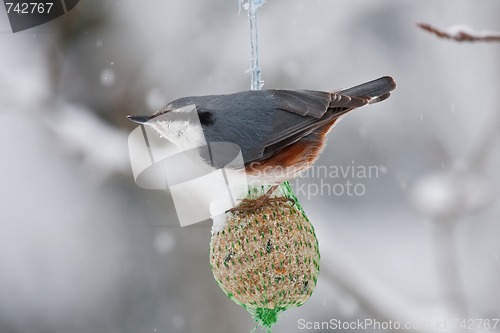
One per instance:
(83, 249)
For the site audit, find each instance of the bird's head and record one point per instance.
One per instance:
(179, 125)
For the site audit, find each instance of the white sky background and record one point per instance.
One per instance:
(83, 249)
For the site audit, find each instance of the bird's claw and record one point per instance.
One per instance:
(247, 205)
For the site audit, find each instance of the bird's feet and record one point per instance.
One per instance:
(247, 205)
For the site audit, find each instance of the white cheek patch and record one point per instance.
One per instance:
(181, 126)
(184, 134)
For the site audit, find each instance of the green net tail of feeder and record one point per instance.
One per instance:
(266, 260)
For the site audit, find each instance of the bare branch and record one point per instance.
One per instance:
(461, 34)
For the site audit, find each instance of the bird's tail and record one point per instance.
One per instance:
(374, 91)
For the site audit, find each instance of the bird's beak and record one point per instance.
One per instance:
(140, 119)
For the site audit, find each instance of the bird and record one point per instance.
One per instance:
(280, 132)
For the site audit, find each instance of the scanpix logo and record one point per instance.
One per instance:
(205, 179)
(28, 14)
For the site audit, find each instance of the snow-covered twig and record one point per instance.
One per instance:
(461, 33)
(81, 133)
(461, 190)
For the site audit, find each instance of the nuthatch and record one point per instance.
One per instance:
(280, 132)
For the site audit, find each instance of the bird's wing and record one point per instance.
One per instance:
(314, 103)
(318, 108)
(311, 110)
